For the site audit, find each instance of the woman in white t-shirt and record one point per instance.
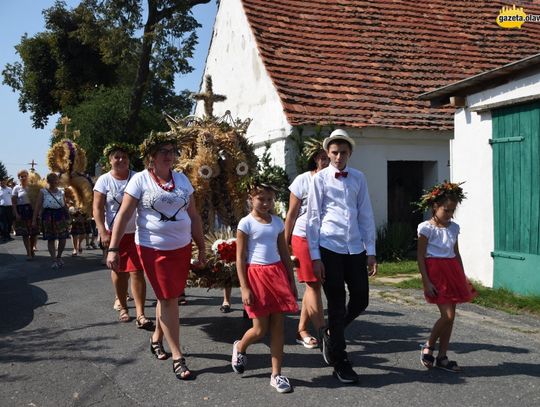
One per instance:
(167, 222)
(51, 205)
(108, 194)
(23, 212)
(295, 233)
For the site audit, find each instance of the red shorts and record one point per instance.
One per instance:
(166, 270)
(129, 258)
(300, 249)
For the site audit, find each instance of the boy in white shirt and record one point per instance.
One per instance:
(341, 235)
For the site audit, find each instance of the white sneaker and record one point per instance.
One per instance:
(280, 383)
(238, 360)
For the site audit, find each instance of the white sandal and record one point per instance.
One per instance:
(308, 342)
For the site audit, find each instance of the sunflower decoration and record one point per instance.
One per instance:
(440, 192)
(130, 149)
(216, 157)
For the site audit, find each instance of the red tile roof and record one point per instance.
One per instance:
(363, 63)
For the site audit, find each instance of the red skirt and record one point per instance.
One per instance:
(129, 258)
(300, 249)
(166, 270)
(271, 290)
(449, 279)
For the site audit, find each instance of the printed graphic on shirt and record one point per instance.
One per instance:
(166, 204)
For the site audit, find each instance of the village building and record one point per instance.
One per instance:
(496, 149)
(358, 65)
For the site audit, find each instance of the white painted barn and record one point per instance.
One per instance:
(288, 63)
(496, 150)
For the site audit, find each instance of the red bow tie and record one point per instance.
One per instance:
(342, 174)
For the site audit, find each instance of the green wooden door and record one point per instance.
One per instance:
(516, 198)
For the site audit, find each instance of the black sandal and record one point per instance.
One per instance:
(181, 370)
(225, 308)
(426, 359)
(158, 351)
(144, 323)
(448, 365)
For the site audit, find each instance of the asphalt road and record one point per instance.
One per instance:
(61, 345)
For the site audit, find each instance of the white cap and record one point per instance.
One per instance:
(338, 134)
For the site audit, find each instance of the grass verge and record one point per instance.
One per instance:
(497, 298)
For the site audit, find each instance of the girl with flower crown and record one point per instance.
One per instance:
(441, 268)
(167, 222)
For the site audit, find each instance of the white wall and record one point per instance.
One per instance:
(471, 159)
(375, 147)
(238, 73)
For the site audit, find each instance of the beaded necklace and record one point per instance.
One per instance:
(165, 188)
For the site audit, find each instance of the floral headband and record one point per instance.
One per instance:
(155, 139)
(445, 190)
(130, 149)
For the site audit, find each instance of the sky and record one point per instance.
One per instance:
(20, 143)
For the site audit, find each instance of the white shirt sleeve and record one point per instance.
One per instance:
(314, 207)
(366, 223)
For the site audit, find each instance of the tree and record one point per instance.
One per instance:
(103, 47)
(3, 171)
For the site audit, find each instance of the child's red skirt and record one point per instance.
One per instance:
(271, 290)
(127, 251)
(449, 279)
(166, 270)
(300, 249)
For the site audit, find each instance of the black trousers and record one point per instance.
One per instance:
(341, 269)
(6, 220)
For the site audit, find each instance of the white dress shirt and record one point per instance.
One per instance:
(340, 217)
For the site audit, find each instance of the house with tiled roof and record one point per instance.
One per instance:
(496, 149)
(359, 65)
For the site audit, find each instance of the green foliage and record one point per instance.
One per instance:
(415, 283)
(273, 175)
(3, 171)
(299, 141)
(101, 119)
(106, 44)
(506, 300)
(58, 66)
(394, 241)
(393, 268)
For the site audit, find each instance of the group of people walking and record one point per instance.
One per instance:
(148, 222)
(44, 213)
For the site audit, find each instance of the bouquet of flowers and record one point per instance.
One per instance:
(220, 268)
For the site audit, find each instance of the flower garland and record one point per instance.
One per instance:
(154, 140)
(444, 190)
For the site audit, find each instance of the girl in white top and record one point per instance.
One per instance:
(54, 219)
(441, 268)
(23, 213)
(295, 234)
(167, 221)
(266, 281)
(108, 196)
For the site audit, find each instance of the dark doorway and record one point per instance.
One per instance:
(405, 184)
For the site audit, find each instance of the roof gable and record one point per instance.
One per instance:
(364, 63)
